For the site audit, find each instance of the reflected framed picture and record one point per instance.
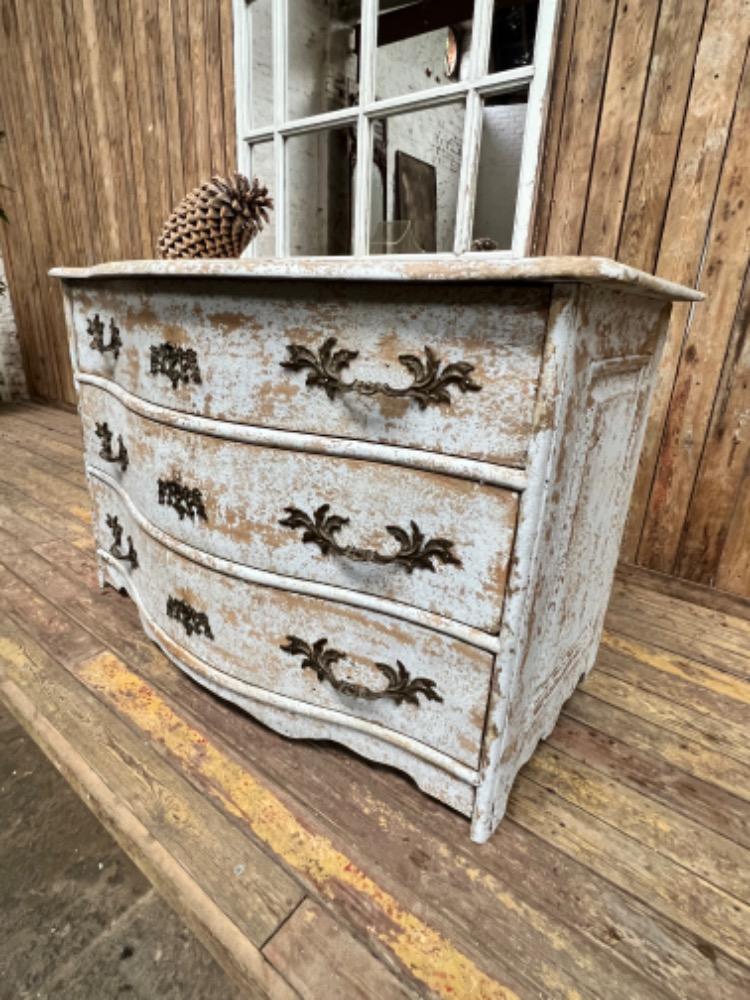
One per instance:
(416, 199)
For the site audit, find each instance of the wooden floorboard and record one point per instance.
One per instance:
(686, 590)
(621, 870)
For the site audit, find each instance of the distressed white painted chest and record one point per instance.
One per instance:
(374, 502)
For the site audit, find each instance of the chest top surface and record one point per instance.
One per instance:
(484, 267)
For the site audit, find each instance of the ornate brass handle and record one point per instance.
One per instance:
(430, 378)
(95, 330)
(179, 364)
(115, 548)
(190, 619)
(414, 552)
(400, 687)
(105, 436)
(186, 500)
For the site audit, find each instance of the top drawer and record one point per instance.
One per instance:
(414, 352)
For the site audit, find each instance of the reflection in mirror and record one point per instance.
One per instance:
(513, 31)
(322, 56)
(320, 167)
(423, 164)
(503, 123)
(262, 166)
(421, 45)
(379, 178)
(261, 63)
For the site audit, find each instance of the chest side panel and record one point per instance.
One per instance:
(602, 353)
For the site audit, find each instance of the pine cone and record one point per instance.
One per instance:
(217, 219)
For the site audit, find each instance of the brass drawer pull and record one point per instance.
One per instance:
(430, 377)
(401, 687)
(415, 552)
(179, 364)
(105, 436)
(95, 330)
(115, 548)
(186, 500)
(190, 619)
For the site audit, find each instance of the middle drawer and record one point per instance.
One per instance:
(431, 541)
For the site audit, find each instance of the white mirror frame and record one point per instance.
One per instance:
(537, 76)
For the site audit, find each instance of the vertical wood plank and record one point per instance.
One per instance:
(133, 101)
(716, 76)
(126, 194)
(227, 77)
(669, 76)
(551, 145)
(159, 125)
(704, 349)
(75, 163)
(166, 49)
(724, 465)
(90, 188)
(94, 66)
(202, 135)
(214, 85)
(588, 67)
(621, 108)
(144, 20)
(184, 78)
(734, 570)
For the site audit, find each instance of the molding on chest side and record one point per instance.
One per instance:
(601, 352)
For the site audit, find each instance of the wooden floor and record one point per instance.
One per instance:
(621, 871)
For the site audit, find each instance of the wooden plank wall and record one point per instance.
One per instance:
(647, 161)
(113, 110)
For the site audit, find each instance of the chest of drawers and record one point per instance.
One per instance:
(375, 502)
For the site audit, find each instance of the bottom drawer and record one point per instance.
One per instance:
(400, 677)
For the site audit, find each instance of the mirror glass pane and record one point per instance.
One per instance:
(422, 45)
(320, 185)
(261, 63)
(503, 124)
(513, 31)
(323, 41)
(420, 153)
(262, 167)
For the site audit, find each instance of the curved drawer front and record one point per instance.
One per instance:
(430, 687)
(314, 517)
(445, 369)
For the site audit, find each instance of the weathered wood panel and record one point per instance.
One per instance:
(704, 349)
(113, 110)
(648, 123)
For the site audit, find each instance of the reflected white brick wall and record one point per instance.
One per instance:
(12, 378)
